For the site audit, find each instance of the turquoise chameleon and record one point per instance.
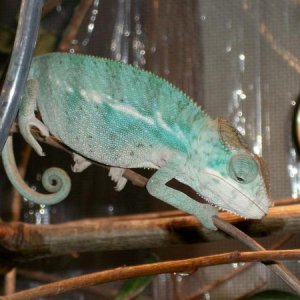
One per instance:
(123, 117)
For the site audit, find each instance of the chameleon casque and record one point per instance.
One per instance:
(118, 115)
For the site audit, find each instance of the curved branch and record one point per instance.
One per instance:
(177, 266)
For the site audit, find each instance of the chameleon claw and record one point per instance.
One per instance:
(116, 175)
(26, 131)
(80, 163)
(205, 216)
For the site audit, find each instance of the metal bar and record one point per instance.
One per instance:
(30, 14)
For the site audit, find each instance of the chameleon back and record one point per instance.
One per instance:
(103, 109)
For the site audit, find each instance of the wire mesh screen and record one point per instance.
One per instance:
(251, 77)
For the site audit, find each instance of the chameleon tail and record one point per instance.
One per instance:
(54, 180)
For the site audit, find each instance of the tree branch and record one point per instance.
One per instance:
(277, 267)
(21, 242)
(176, 266)
(212, 285)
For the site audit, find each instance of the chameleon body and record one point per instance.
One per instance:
(124, 117)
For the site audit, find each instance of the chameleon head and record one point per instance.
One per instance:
(232, 177)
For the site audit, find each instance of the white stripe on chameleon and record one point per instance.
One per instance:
(161, 122)
(69, 89)
(132, 112)
(94, 96)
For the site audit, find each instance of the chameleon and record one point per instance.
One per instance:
(124, 117)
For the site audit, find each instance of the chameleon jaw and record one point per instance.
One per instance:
(263, 212)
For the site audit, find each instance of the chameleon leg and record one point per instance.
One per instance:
(156, 186)
(27, 118)
(80, 163)
(116, 175)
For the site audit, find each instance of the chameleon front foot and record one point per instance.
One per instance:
(157, 187)
(204, 214)
(116, 175)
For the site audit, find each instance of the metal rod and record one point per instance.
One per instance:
(30, 14)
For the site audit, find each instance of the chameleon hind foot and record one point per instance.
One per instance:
(116, 175)
(27, 118)
(80, 163)
(25, 129)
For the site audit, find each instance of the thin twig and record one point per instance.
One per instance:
(49, 6)
(121, 273)
(74, 26)
(102, 292)
(281, 270)
(16, 203)
(286, 201)
(208, 287)
(16, 197)
(10, 282)
(261, 283)
(292, 60)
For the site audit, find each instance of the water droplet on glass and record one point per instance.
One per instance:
(90, 27)
(228, 25)
(228, 49)
(178, 278)
(183, 274)
(235, 265)
(153, 49)
(243, 96)
(110, 209)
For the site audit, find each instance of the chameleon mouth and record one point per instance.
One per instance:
(236, 201)
(260, 213)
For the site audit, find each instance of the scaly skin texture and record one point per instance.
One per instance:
(128, 118)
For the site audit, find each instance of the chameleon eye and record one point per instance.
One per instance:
(243, 168)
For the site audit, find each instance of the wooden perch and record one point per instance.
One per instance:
(20, 241)
(175, 266)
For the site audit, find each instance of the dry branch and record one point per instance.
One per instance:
(20, 241)
(176, 266)
(277, 267)
(212, 285)
(102, 292)
(74, 26)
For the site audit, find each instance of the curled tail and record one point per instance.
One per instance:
(55, 180)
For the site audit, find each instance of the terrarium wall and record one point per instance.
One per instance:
(237, 59)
